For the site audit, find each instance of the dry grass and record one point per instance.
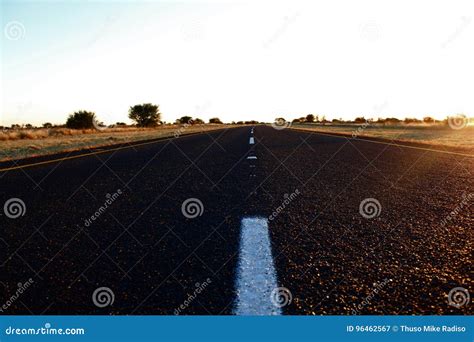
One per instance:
(17, 144)
(426, 134)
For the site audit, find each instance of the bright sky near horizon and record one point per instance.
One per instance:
(236, 60)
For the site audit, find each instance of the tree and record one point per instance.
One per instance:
(81, 120)
(310, 118)
(145, 115)
(360, 119)
(198, 121)
(47, 125)
(215, 121)
(428, 119)
(185, 120)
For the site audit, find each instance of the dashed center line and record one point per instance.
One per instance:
(251, 141)
(256, 275)
(252, 157)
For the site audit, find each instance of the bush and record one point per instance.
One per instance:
(81, 120)
(215, 121)
(145, 115)
(185, 120)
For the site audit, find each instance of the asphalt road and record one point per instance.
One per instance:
(331, 257)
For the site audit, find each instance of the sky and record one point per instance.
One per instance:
(236, 60)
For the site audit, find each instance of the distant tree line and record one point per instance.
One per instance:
(149, 115)
(321, 119)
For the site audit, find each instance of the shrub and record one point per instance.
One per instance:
(81, 120)
(185, 120)
(215, 121)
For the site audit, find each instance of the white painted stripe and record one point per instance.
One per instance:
(256, 276)
(252, 157)
(251, 141)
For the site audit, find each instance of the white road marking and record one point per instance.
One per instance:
(256, 275)
(251, 141)
(252, 157)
